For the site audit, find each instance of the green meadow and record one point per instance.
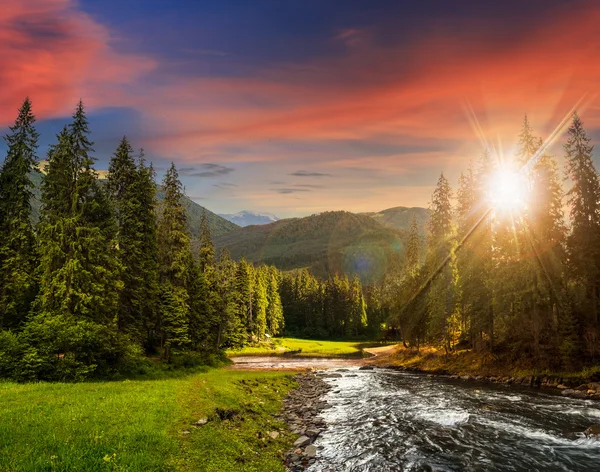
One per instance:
(306, 347)
(146, 425)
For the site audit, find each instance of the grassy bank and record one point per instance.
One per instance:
(432, 360)
(306, 348)
(145, 425)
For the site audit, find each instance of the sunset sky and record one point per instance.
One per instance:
(300, 106)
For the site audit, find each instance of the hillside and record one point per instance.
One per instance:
(218, 226)
(330, 242)
(401, 218)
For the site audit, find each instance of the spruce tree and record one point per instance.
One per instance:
(17, 238)
(528, 143)
(132, 191)
(206, 253)
(583, 199)
(275, 318)
(260, 301)
(175, 260)
(441, 290)
(80, 274)
(148, 262)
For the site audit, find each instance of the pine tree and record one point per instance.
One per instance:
(528, 143)
(148, 260)
(206, 256)
(358, 311)
(583, 199)
(175, 260)
(230, 328)
(441, 290)
(275, 318)
(132, 190)
(244, 297)
(480, 272)
(413, 247)
(79, 270)
(17, 239)
(260, 301)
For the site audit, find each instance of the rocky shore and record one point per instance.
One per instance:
(302, 408)
(568, 387)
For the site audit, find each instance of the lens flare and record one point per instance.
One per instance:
(508, 191)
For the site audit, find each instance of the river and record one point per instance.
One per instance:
(386, 420)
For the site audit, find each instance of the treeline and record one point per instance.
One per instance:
(331, 308)
(506, 279)
(108, 274)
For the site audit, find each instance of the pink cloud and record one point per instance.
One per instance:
(56, 54)
(419, 90)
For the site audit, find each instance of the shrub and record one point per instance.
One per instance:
(61, 348)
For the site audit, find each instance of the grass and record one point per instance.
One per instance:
(145, 425)
(306, 348)
(467, 362)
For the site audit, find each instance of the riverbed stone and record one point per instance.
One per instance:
(302, 408)
(569, 392)
(310, 451)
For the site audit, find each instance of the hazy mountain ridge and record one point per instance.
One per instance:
(327, 243)
(401, 217)
(247, 218)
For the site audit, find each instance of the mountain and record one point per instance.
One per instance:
(327, 243)
(401, 218)
(218, 226)
(247, 218)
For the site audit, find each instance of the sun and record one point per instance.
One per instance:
(508, 191)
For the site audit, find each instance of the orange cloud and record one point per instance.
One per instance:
(56, 54)
(419, 90)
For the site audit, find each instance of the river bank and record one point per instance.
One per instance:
(583, 384)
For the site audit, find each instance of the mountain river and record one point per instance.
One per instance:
(386, 420)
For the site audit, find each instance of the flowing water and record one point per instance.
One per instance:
(384, 420)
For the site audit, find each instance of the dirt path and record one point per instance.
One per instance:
(301, 363)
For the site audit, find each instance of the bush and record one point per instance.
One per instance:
(60, 348)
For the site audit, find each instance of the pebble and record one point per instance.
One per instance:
(302, 408)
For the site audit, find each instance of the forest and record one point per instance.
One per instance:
(109, 276)
(511, 266)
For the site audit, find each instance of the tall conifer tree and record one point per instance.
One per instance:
(17, 239)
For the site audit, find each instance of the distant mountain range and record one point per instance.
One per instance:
(401, 218)
(326, 243)
(329, 242)
(247, 218)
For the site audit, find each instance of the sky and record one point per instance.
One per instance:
(300, 106)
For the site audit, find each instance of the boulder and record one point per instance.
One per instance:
(302, 441)
(569, 392)
(366, 367)
(310, 451)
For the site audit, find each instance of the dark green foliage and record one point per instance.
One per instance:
(80, 275)
(17, 240)
(322, 309)
(62, 348)
(131, 186)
